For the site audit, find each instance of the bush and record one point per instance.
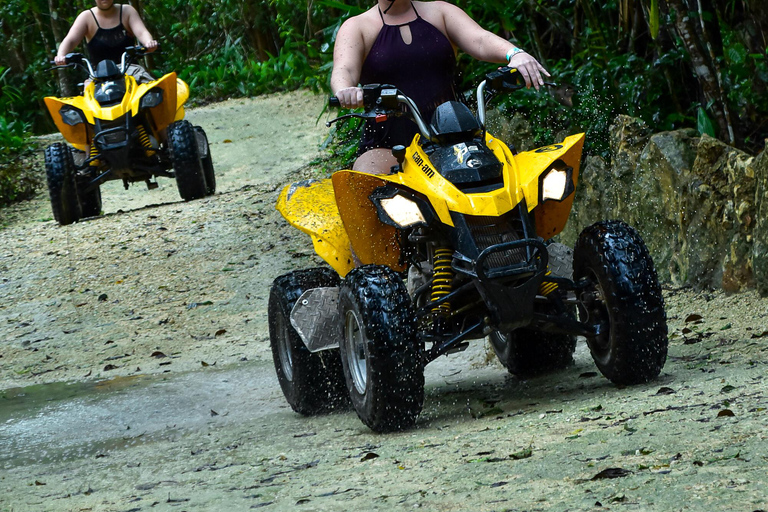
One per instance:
(16, 181)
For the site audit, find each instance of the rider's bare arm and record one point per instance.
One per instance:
(481, 44)
(77, 33)
(348, 57)
(135, 25)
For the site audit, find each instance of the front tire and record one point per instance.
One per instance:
(190, 177)
(380, 353)
(623, 302)
(311, 382)
(60, 174)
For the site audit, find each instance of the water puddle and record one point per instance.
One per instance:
(62, 421)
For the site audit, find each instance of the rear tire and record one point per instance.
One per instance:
(380, 353)
(311, 382)
(187, 166)
(623, 302)
(60, 174)
(205, 157)
(527, 352)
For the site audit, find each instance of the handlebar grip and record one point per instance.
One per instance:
(333, 101)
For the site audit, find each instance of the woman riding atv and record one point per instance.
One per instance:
(108, 30)
(412, 45)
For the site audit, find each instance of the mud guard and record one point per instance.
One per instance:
(310, 206)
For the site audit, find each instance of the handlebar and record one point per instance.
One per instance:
(381, 101)
(130, 53)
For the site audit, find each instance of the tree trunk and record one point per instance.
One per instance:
(702, 67)
(66, 84)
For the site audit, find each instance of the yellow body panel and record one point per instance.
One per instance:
(310, 206)
(344, 224)
(175, 93)
(373, 242)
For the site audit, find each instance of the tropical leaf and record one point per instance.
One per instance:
(704, 123)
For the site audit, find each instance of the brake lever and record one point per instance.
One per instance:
(377, 116)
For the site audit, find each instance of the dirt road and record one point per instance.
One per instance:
(135, 373)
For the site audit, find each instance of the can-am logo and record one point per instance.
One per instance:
(549, 149)
(424, 166)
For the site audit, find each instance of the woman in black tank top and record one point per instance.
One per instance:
(108, 43)
(412, 46)
(103, 41)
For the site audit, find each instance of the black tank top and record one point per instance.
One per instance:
(108, 43)
(423, 70)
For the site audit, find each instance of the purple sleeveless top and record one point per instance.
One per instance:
(108, 43)
(423, 70)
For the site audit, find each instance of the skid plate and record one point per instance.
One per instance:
(315, 316)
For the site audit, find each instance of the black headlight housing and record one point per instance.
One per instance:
(152, 98)
(400, 209)
(556, 183)
(71, 115)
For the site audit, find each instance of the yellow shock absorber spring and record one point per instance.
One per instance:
(441, 284)
(144, 140)
(93, 153)
(547, 288)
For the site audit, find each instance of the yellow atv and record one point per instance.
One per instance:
(122, 130)
(454, 245)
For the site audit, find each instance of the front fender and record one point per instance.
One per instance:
(310, 206)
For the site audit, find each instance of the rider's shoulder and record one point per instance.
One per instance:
(129, 10)
(364, 19)
(363, 22)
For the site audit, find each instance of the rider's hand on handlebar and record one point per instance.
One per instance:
(60, 60)
(350, 97)
(529, 68)
(151, 45)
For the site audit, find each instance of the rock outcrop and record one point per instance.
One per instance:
(700, 205)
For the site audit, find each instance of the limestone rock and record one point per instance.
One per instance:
(759, 169)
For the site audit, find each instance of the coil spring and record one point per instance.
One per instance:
(546, 288)
(93, 153)
(441, 283)
(144, 140)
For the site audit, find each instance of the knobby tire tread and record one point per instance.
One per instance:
(190, 177)
(617, 255)
(395, 393)
(318, 383)
(60, 174)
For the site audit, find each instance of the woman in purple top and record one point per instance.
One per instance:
(412, 45)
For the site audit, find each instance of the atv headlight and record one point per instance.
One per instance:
(70, 115)
(152, 99)
(402, 211)
(556, 183)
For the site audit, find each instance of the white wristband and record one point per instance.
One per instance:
(513, 51)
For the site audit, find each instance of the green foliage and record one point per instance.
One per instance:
(15, 183)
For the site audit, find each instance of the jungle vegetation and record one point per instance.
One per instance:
(673, 63)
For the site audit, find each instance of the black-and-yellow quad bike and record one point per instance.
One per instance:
(454, 245)
(122, 130)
